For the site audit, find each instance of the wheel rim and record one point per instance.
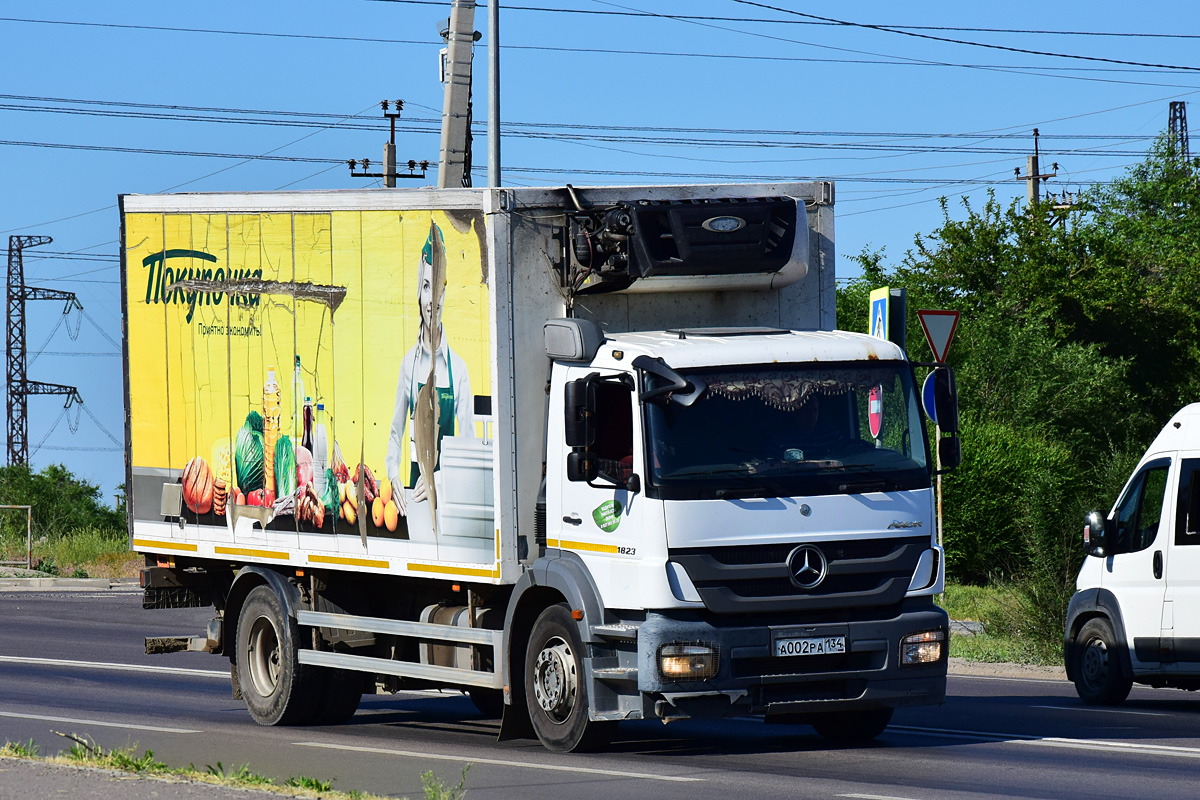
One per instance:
(262, 656)
(555, 680)
(1095, 663)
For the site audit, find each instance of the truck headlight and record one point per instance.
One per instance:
(687, 662)
(922, 648)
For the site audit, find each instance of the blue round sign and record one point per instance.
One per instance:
(927, 398)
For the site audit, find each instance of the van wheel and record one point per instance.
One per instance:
(277, 689)
(852, 727)
(556, 688)
(1100, 679)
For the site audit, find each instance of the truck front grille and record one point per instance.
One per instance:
(757, 579)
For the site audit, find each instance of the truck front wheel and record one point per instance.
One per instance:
(555, 685)
(1100, 678)
(277, 689)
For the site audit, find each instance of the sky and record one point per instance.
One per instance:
(902, 106)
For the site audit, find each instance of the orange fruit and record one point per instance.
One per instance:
(377, 512)
(391, 515)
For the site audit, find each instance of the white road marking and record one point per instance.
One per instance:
(63, 662)
(610, 773)
(1055, 741)
(1105, 710)
(96, 722)
(1004, 678)
(875, 797)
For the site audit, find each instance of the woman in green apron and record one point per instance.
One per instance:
(452, 384)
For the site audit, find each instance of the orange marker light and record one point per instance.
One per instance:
(576, 614)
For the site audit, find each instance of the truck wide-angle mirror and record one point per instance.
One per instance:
(580, 410)
(945, 399)
(949, 452)
(581, 466)
(1095, 534)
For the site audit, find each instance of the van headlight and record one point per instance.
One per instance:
(922, 648)
(687, 662)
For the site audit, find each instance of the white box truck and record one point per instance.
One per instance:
(1135, 615)
(589, 455)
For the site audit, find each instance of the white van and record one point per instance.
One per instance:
(1135, 616)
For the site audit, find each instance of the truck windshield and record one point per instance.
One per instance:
(786, 431)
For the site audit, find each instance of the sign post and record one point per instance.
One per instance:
(939, 327)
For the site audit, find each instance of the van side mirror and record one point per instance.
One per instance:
(1096, 535)
(945, 399)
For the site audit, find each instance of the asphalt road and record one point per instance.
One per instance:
(73, 663)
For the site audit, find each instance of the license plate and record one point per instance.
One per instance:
(815, 646)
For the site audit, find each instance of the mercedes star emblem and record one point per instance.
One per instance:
(807, 566)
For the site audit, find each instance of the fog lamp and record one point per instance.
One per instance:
(687, 662)
(922, 648)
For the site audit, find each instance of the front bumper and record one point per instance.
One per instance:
(751, 680)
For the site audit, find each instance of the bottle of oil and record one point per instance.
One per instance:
(297, 405)
(271, 423)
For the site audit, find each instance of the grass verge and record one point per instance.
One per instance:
(1004, 637)
(86, 753)
(89, 552)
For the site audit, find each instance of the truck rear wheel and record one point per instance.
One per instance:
(1100, 678)
(277, 688)
(555, 685)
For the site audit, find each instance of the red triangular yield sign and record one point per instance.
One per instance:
(939, 327)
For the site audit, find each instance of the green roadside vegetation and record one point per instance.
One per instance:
(85, 753)
(74, 533)
(1077, 342)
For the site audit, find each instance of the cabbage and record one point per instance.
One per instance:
(285, 467)
(331, 492)
(248, 454)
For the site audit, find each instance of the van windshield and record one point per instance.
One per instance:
(787, 431)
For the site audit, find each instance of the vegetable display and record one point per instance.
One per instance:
(286, 481)
(198, 486)
(248, 453)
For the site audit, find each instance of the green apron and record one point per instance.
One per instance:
(445, 413)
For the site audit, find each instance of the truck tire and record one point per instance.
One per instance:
(1100, 677)
(341, 692)
(276, 687)
(490, 702)
(556, 688)
(852, 727)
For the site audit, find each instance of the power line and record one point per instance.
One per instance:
(931, 37)
(776, 21)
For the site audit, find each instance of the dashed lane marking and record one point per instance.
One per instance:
(1055, 741)
(96, 722)
(426, 755)
(149, 668)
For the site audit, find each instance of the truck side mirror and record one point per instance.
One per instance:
(581, 466)
(949, 452)
(1095, 534)
(580, 411)
(945, 399)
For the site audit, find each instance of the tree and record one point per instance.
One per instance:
(61, 501)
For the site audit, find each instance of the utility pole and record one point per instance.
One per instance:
(493, 129)
(1177, 133)
(19, 385)
(454, 159)
(1032, 176)
(390, 173)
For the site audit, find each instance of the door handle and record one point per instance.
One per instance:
(572, 519)
(1158, 564)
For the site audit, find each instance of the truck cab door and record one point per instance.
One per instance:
(1135, 570)
(1181, 620)
(599, 519)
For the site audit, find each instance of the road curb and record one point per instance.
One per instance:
(57, 584)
